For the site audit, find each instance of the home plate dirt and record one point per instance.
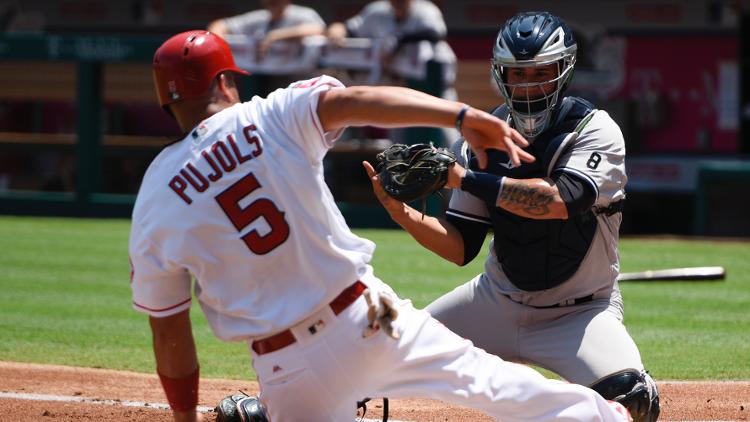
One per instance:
(30, 392)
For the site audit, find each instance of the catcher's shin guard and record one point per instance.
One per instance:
(241, 408)
(635, 390)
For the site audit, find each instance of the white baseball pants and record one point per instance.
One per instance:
(320, 377)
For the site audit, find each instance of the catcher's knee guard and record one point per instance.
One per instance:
(635, 390)
(241, 408)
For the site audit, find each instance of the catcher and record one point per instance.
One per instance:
(549, 294)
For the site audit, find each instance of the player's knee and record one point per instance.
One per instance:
(635, 390)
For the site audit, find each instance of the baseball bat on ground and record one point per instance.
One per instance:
(676, 274)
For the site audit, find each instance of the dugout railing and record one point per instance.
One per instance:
(89, 71)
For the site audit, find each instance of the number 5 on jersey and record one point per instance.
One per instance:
(242, 217)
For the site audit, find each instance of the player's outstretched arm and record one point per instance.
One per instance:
(435, 234)
(388, 106)
(537, 198)
(532, 198)
(177, 364)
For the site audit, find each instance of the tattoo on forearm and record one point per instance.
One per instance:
(530, 198)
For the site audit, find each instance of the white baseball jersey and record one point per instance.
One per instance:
(234, 206)
(257, 23)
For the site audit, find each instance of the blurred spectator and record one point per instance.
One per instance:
(278, 21)
(408, 21)
(398, 24)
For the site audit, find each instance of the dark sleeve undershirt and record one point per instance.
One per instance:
(578, 195)
(473, 234)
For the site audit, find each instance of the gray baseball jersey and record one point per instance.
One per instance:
(523, 307)
(257, 22)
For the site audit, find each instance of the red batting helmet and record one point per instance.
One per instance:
(186, 64)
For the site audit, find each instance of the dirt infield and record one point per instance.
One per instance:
(30, 392)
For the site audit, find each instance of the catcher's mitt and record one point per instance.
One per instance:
(241, 408)
(411, 172)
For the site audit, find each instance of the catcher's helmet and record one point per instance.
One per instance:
(186, 64)
(533, 39)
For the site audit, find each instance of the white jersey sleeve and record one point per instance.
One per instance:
(597, 156)
(301, 101)
(463, 204)
(159, 288)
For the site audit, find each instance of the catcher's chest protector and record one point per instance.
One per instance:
(540, 254)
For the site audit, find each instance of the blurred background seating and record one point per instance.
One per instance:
(674, 74)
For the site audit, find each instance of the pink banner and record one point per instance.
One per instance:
(685, 92)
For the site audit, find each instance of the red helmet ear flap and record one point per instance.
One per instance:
(185, 65)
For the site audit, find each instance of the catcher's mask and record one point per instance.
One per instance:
(186, 64)
(533, 39)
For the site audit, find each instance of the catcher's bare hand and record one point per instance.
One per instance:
(388, 202)
(455, 174)
(484, 131)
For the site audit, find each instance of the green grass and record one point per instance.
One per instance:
(690, 330)
(65, 299)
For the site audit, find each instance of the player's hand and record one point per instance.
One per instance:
(388, 202)
(484, 131)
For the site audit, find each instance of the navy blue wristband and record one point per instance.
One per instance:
(483, 185)
(460, 119)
